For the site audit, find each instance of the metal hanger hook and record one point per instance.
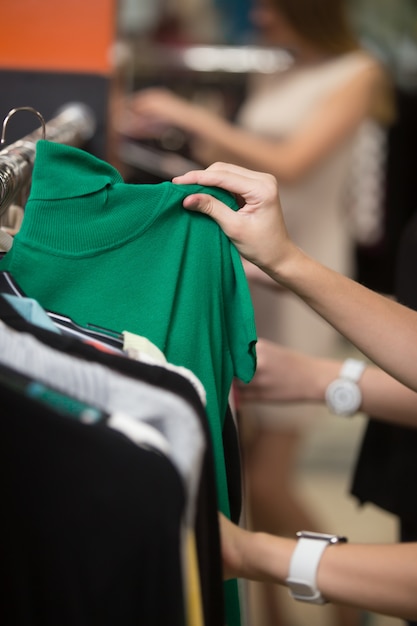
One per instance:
(12, 112)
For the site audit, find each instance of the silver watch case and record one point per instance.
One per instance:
(343, 397)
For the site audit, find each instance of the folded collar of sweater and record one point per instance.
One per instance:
(79, 204)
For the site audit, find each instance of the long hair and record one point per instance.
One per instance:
(323, 22)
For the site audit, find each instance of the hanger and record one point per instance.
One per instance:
(66, 325)
(16, 161)
(73, 125)
(16, 110)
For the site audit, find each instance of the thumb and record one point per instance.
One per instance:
(217, 210)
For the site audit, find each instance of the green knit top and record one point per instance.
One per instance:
(130, 257)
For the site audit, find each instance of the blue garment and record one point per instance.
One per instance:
(31, 311)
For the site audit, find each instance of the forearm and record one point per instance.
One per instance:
(284, 375)
(364, 317)
(230, 142)
(266, 558)
(383, 397)
(386, 399)
(289, 159)
(379, 578)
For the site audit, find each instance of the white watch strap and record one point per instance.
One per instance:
(352, 369)
(303, 569)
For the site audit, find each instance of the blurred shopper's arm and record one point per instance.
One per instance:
(286, 375)
(151, 110)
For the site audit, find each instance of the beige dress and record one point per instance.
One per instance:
(314, 210)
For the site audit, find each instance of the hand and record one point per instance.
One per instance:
(232, 538)
(149, 111)
(257, 229)
(286, 375)
(254, 556)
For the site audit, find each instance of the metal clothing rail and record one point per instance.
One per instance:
(73, 125)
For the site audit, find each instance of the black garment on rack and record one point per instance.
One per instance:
(230, 436)
(386, 468)
(206, 528)
(79, 543)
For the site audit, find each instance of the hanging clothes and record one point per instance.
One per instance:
(129, 257)
(78, 523)
(170, 419)
(134, 406)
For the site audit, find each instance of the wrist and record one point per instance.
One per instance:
(269, 558)
(304, 565)
(287, 270)
(323, 373)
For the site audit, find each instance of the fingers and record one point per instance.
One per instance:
(217, 172)
(235, 179)
(257, 229)
(149, 94)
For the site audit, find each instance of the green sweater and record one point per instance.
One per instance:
(129, 257)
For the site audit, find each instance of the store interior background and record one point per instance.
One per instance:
(206, 50)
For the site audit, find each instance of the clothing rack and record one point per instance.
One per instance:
(169, 572)
(73, 125)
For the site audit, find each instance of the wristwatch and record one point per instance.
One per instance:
(302, 575)
(343, 396)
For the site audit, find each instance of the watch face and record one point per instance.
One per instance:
(343, 396)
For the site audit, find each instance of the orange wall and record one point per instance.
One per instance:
(57, 35)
